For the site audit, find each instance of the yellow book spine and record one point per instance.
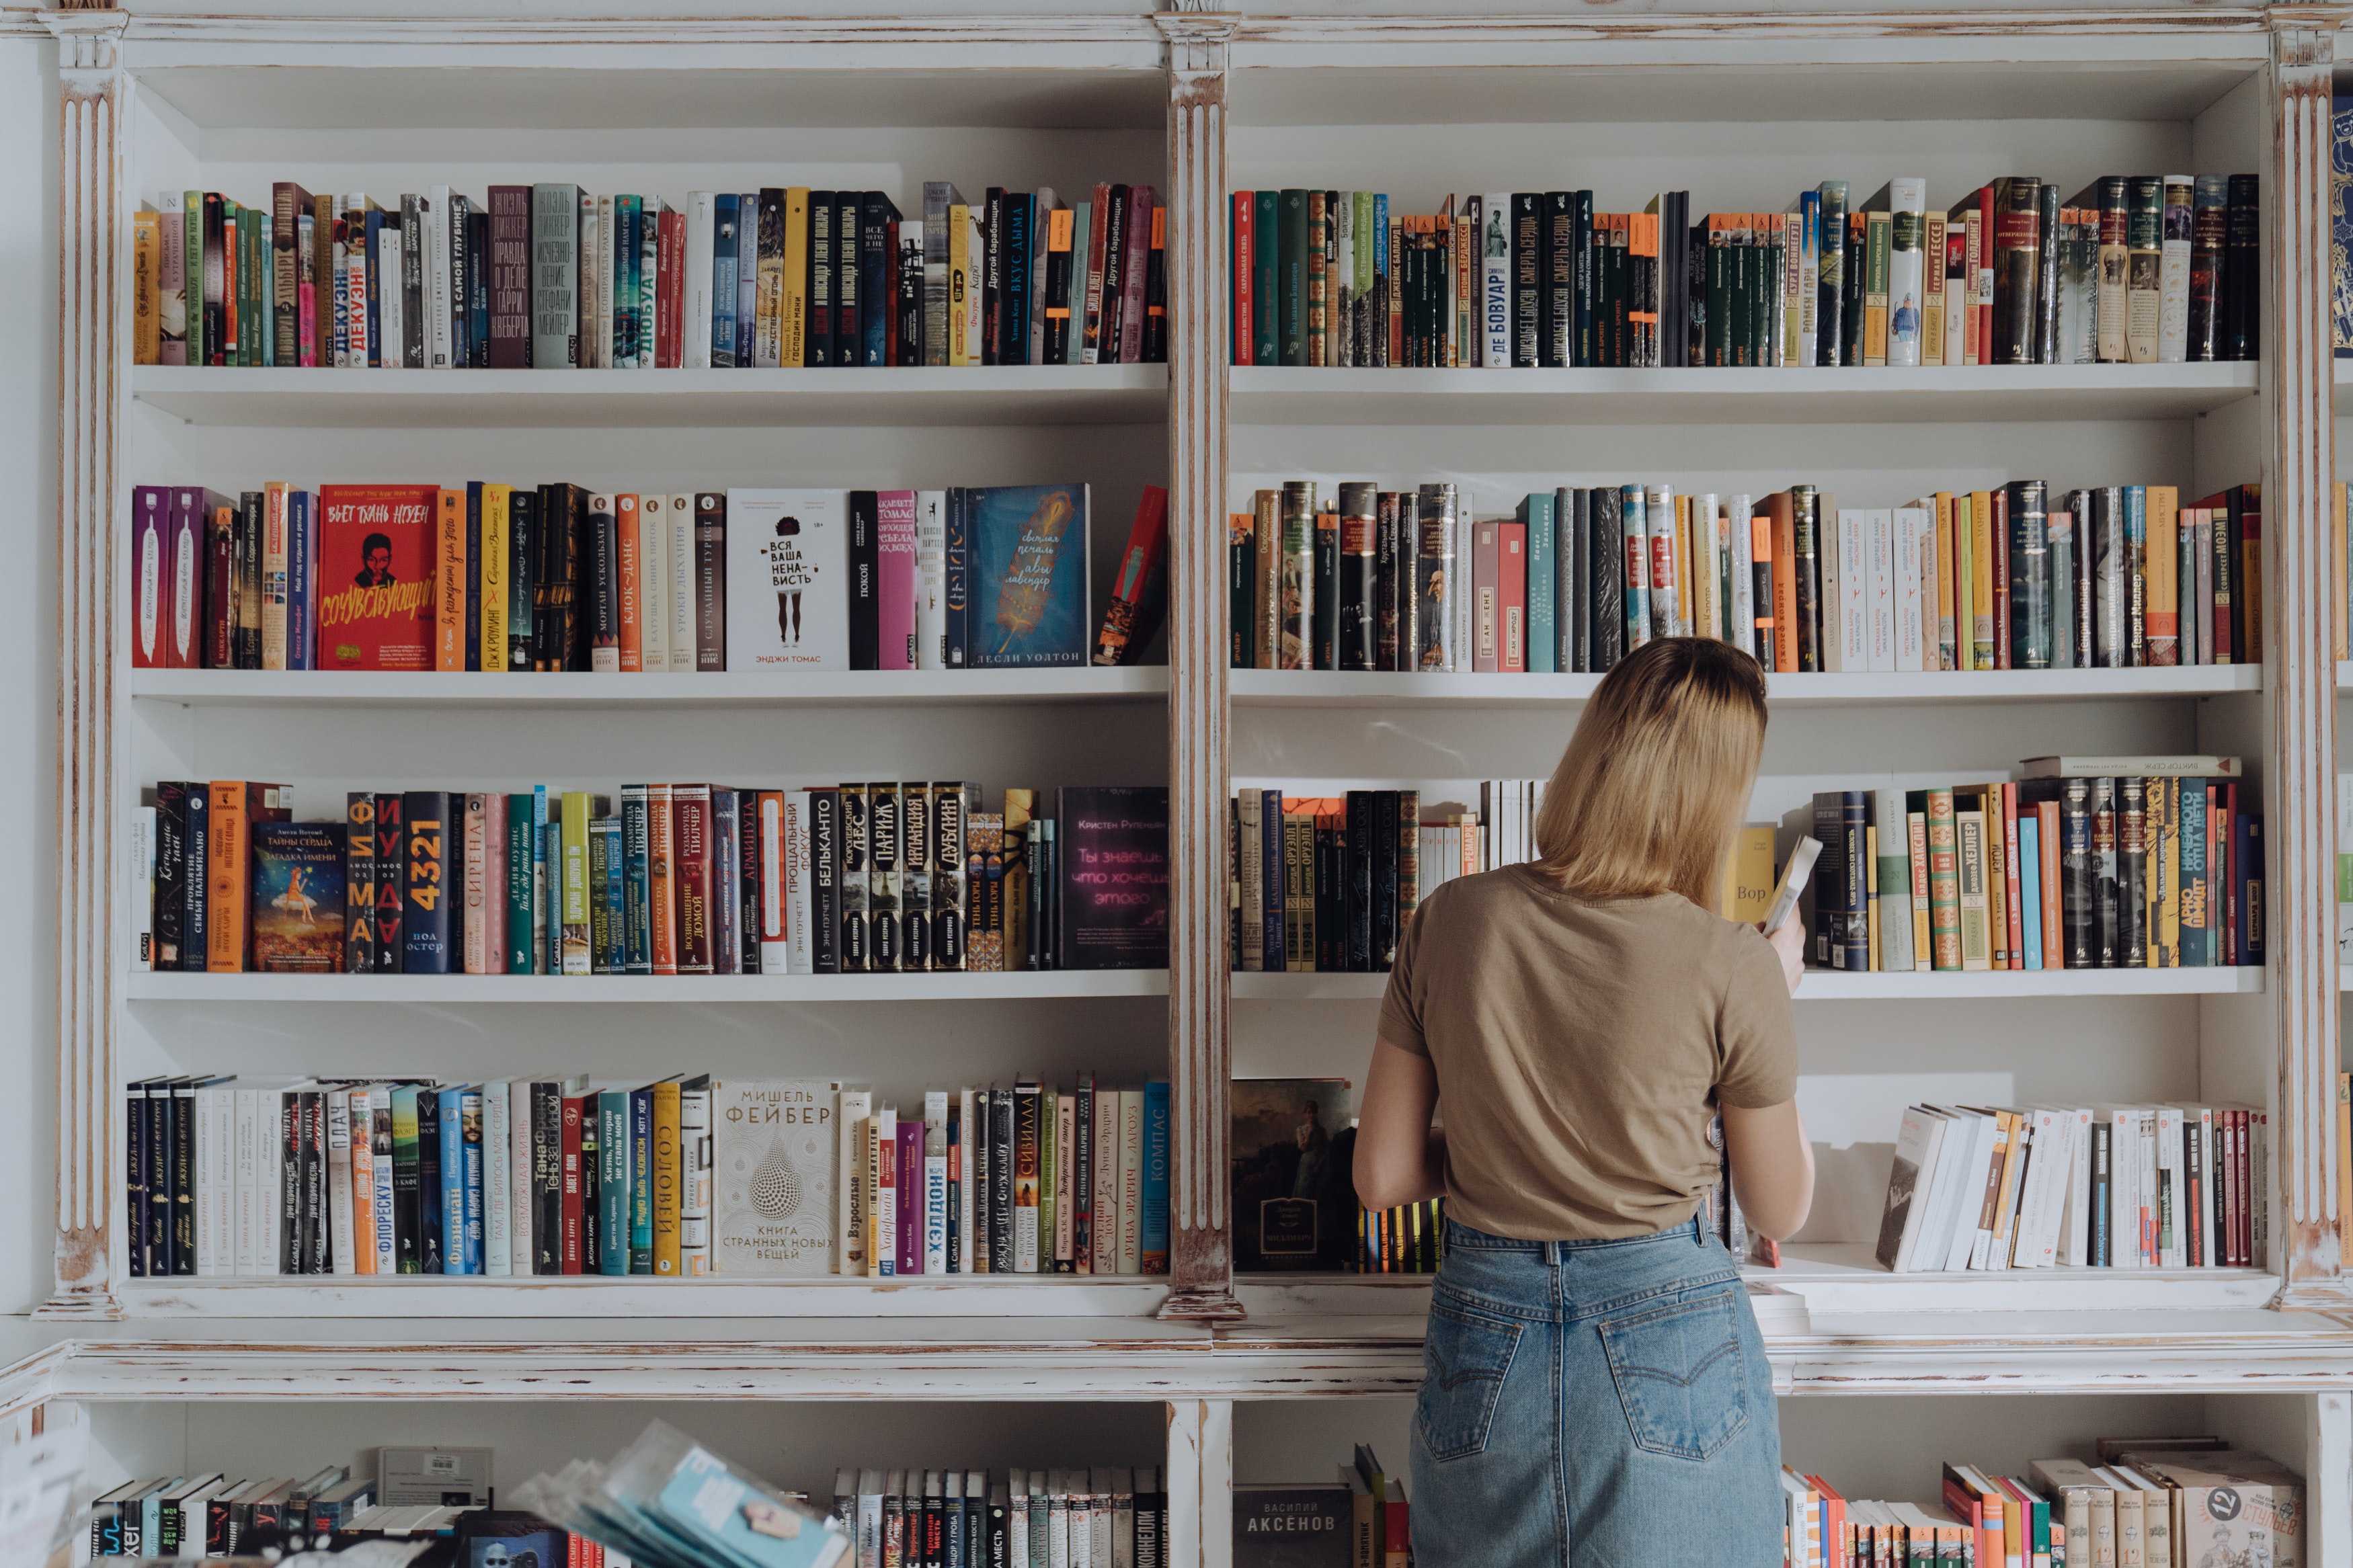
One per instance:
(1964, 594)
(794, 322)
(2163, 553)
(667, 1263)
(1981, 577)
(450, 584)
(1915, 826)
(2168, 911)
(146, 287)
(960, 282)
(490, 576)
(1871, 891)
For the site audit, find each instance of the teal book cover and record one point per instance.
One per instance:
(613, 1179)
(1030, 578)
(1537, 511)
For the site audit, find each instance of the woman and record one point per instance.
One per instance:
(1595, 1390)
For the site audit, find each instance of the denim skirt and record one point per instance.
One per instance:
(1594, 1404)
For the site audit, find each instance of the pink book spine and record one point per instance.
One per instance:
(494, 884)
(1140, 202)
(307, 323)
(183, 559)
(895, 560)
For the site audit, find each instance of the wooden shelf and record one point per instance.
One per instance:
(542, 1297)
(687, 399)
(1835, 985)
(1349, 689)
(447, 989)
(1903, 395)
(846, 689)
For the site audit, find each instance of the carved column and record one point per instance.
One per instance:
(2300, 793)
(1200, 1043)
(93, 348)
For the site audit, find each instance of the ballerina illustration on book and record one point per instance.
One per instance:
(295, 900)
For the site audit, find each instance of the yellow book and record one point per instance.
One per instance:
(794, 322)
(1982, 576)
(490, 576)
(1964, 594)
(1684, 556)
(450, 584)
(1969, 854)
(1998, 935)
(1747, 890)
(2006, 1202)
(666, 1180)
(1924, 958)
(960, 281)
(146, 287)
(2162, 554)
(1871, 891)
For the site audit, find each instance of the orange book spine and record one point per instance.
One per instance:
(633, 644)
(1784, 585)
(450, 587)
(2010, 889)
(661, 901)
(2047, 847)
(225, 875)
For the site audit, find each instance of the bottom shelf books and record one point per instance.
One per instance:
(2111, 1186)
(1102, 1517)
(684, 1177)
(1361, 1520)
(213, 1515)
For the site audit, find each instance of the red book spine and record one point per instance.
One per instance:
(671, 238)
(571, 1185)
(1984, 280)
(2011, 883)
(220, 581)
(1511, 597)
(2239, 1171)
(1245, 258)
(690, 868)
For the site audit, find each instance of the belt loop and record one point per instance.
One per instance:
(1699, 1235)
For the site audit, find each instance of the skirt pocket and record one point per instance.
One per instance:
(1680, 1374)
(1464, 1356)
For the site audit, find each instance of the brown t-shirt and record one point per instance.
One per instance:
(1581, 1046)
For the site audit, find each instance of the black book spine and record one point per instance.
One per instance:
(2132, 873)
(1013, 308)
(547, 1177)
(171, 917)
(317, 1224)
(1359, 575)
(727, 943)
(848, 285)
(289, 1182)
(1383, 857)
(359, 883)
(1557, 301)
(522, 576)
(2078, 921)
(909, 304)
(983, 1190)
(992, 273)
(1607, 552)
(603, 587)
(2046, 276)
(478, 289)
(592, 1236)
(1000, 1172)
(1323, 624)
(825, 881)
(2243, 271)
(1527, 277)
(950, 826)
(2030, 576)
(1804, 502)
(412, 284)
(876, 302)
(424, 879)
(1388, 538)
(199, 839)
(865, 586)
(749, 856)
(431, 1243)
(851, 869)
(818, 345)
(1155, 291)
(183, 1178)
(136, 1180)
(1356, 882)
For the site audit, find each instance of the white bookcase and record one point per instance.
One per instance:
(1263, 1377)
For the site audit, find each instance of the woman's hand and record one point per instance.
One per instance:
(1790, 941)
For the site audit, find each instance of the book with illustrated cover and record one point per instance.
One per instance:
(298, 896)
(1113, 844)
(376, 576)
(787, 605)
(776, 1145)
(1028, 552)
(1294, 1199)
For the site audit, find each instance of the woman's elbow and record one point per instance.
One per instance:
(1780, 1219)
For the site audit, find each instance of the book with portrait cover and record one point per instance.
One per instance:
(297, 898)
(775, 1148)
(1294, 1199)
(787, 586)
(1028, 598)
(376, 604)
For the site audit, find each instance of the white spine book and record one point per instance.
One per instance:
(523, 1257)
(930, 579)
(2173, 272)
(883, 1198)
(1738, 512)
(380, 1133)
(2038, 1197)
(964, 1175)
(2152, 1196)
(592, 239)
(702, 226)
(340, 1257)
(935, 1181)
(850, 1195)
(1911, 1184)
(796, 886)
(268, 1172)
(246, 1241)
(653, 585)
(678, 514)
(788, 561)
(1962, 1249)
(1912, 538)
(143, 889)
(208, 1243)
(223, 1202)
(391, 295)
(1852, 637)
(2172, 1210)
(498, 1169)
(2075, 1230)
(1495, 278)
(1878, 604)
(1659, 514)
(440, 280)
(1017, 1517)
(775, 898)
(1907, 201)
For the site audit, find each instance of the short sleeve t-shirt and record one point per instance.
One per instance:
(1581, 1046)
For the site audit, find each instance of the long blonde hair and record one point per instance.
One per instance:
(1657, 775)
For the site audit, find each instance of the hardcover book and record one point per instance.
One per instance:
(1028, 600)
(377, 603)
(297, 898)
(1295, 1200)
(1113, 893)
(1294, 1526)
(787, 601)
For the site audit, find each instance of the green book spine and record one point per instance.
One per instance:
(574, 949)
(1543, 600)
(1047, 1208)
(520, 950)
(1291, 282)
(192, 251)
(613, 1179)
(407, 1189)
(1266, 261)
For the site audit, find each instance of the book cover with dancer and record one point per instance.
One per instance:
(298, 896)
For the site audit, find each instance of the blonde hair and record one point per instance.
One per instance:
(1655, 779)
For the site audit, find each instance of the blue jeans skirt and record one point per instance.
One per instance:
(1594, 1404)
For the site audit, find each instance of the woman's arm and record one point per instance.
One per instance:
(1400, 1158)
(1772, 1166)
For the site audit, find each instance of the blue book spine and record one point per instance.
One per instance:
(1544, 603)
(642, 1181)
(1277, 956)
(2030, 885)
(723, 280)
(613, 1179)
(469, 1110)
(301, 573)
(2137, 543)
(2247, 882)
(1854, 809)
(959, 578)
(1154, 1245)
(747, 275)
(453, 1184)
(626, 216)
(1019, 211)
(875, 301)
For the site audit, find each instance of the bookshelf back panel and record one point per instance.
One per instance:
(794, 1448)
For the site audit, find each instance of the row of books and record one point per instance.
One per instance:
(213, 1516)
(684, 1177)
(2159, 1503)
(1361, 1520)
(1329, 882)
(2156, 864)
(2116, 577)
(682, 880)
(1408, 1239)
(556, 577)
(547, 275)
(2134, 269)
(2110, 1186)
